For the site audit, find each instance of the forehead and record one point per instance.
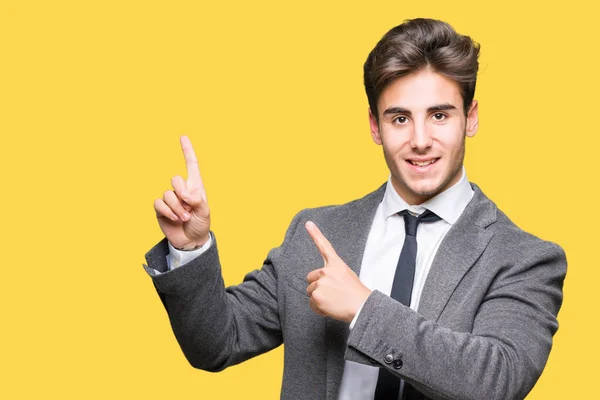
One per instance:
(420, 90)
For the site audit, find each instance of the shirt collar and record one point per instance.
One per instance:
(448, 205)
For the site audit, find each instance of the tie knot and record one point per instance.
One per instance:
(411, 222)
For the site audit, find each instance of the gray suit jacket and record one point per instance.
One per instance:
(483, 329)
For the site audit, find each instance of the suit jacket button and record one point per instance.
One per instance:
(388, 359)
(398, 363)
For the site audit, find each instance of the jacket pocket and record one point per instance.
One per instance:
(298, 284)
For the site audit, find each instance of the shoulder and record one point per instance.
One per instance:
(509, 239)
(334, 219)
(344, 213)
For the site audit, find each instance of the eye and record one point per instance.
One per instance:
(401, 120)
(439, 116)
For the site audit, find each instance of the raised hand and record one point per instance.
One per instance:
(183, 214)
(335, 291)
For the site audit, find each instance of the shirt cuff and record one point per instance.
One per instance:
(177, 258)
(356, 316)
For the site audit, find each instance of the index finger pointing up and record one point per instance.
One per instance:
(325, 248)
(193, 180)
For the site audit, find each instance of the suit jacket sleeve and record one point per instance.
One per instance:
(215, 326)
(501, 358)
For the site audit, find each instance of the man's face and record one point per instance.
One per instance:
(422, 128)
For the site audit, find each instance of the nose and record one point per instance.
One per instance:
(421, 138)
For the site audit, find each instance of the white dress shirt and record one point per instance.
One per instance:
(177, 258)
(380, 259)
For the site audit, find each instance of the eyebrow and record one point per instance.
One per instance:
(437, 107)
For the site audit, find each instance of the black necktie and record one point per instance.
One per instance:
(388, 384)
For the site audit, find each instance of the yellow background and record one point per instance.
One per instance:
(93, 97)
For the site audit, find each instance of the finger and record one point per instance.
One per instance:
(194, 180)
(321, 241)
(174, 204)
(311, 288)
(163, 210)
(181, 191)
(315, 275)
(315, 308)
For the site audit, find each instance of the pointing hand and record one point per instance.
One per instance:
(183, 214)
(335, 291)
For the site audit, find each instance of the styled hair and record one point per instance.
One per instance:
(417, 44)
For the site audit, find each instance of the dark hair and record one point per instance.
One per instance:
(417, 44)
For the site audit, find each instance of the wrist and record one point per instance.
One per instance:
(366, 292)
(195, 245)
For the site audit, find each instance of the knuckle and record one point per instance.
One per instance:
(316, 297)
(309, 290)
(314, 303)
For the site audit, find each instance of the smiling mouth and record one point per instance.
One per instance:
(422, 163)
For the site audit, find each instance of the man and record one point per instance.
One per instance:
(421, 289)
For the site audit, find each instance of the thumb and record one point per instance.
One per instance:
(325, 248)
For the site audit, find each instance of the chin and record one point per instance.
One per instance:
(425, 192)
(425, 188)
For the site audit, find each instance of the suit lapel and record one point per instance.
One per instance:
(357, 226)
(459, 250)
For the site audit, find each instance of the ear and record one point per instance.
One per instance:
(472, 119)
(374, 128)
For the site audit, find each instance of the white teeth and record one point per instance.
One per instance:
(424, 163)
